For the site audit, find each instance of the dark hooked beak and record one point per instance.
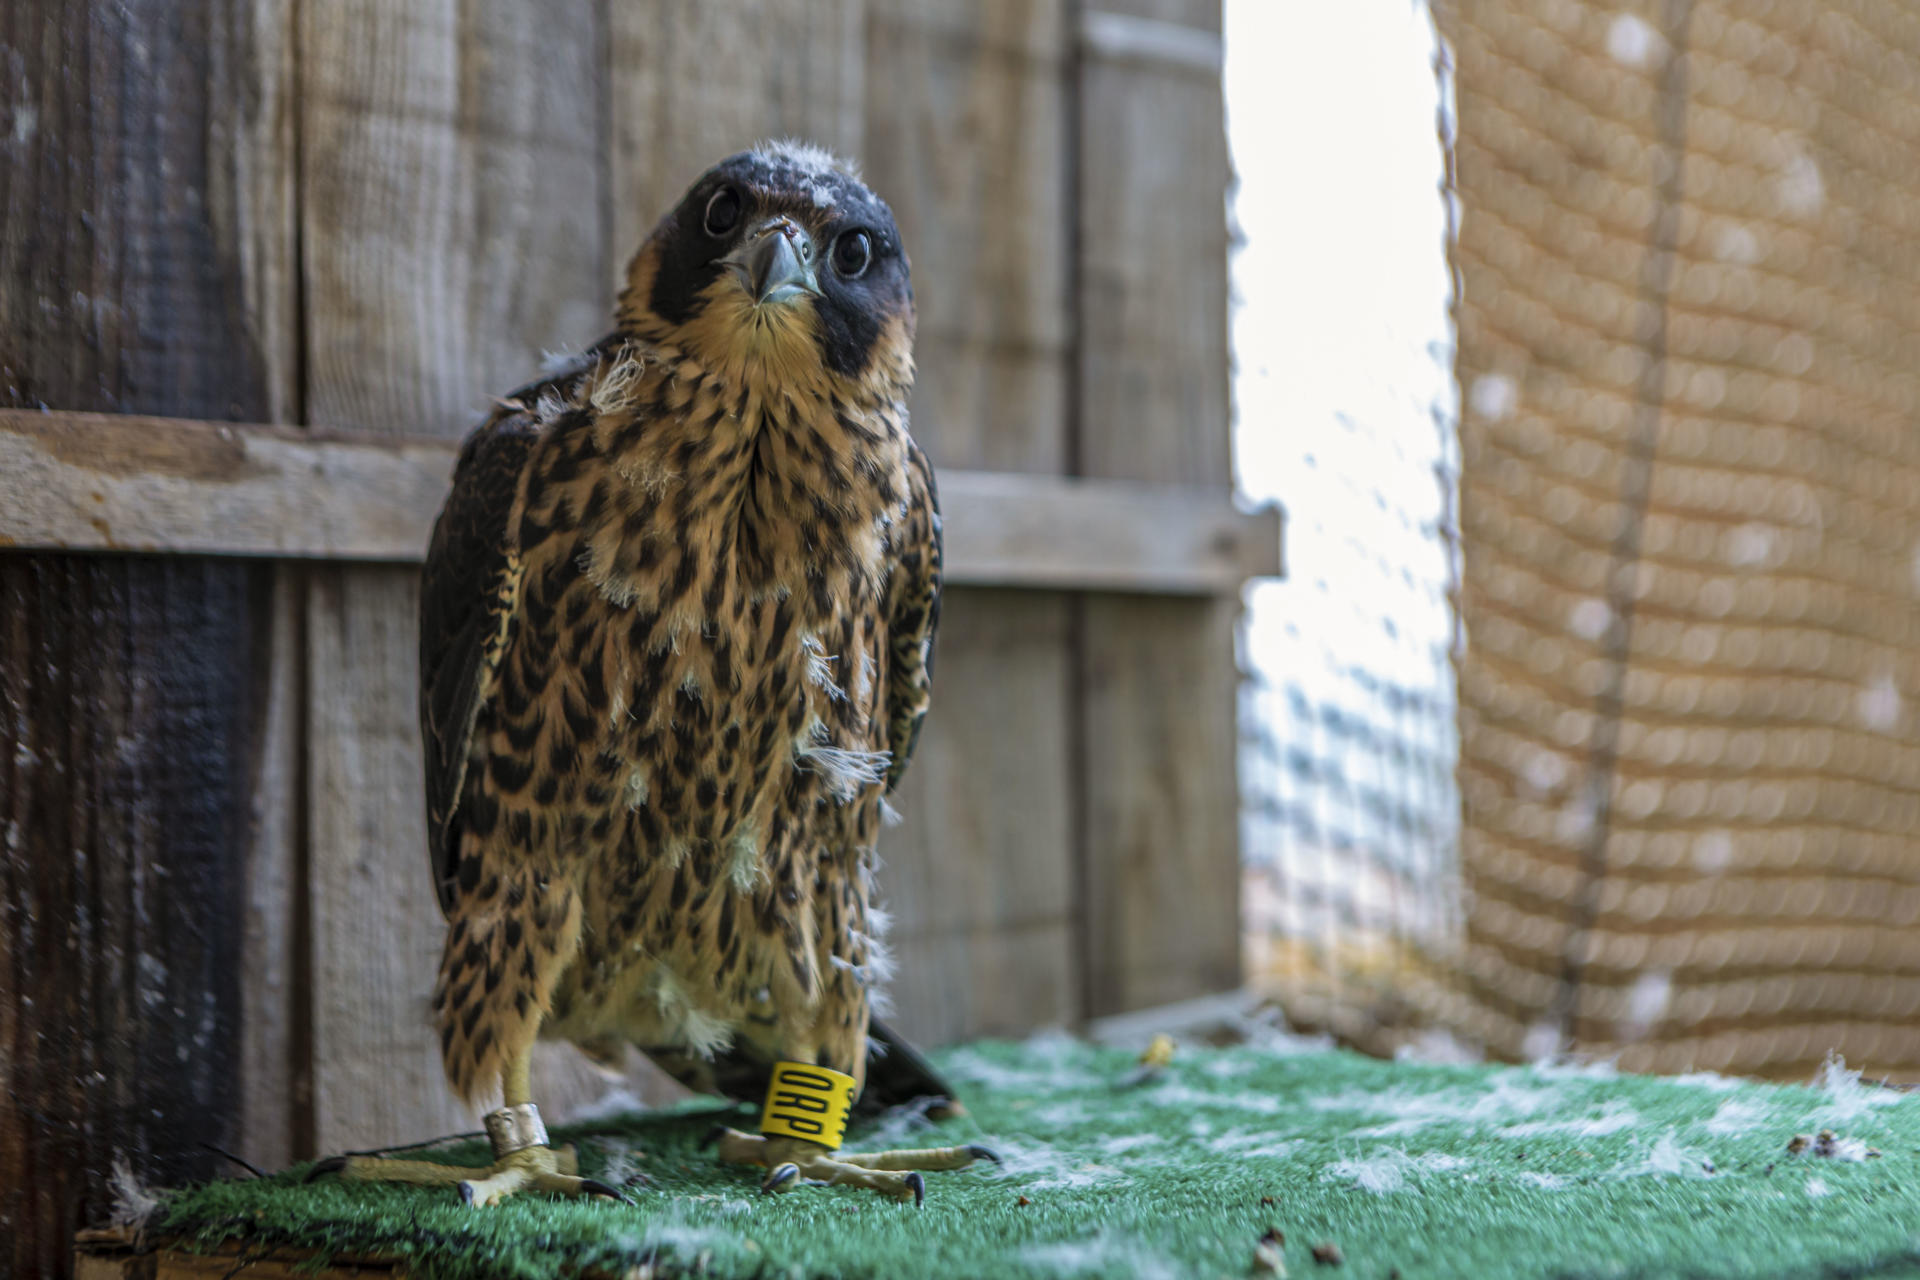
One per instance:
(775, 261)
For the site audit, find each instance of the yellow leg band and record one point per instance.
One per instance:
(807, 1102)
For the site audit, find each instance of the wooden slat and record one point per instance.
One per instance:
(966, 138)
(792, 68)
(275, 1126)
(453, 229)
(1092, 535)
(1112, 37)
(144, 264)
(105, 482)
(97, 1262)
(967, 141)
(1161, 850)
(453, 209)
(91, 1264)
(977, 873)
(254, 208)
(113, 483)
(376, 928)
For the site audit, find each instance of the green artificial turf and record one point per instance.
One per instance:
(1431, 1170)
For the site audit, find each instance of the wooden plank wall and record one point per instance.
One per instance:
(413, 202)
(416, 188)
(1158, 784)
(966, 137)
(138, 173)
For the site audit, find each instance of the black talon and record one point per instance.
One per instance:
(332, 1164)
(979, 1152)
(917, 1185)
(466, 1192)
(594, 1187)
(714, 1135)
(780, 1177)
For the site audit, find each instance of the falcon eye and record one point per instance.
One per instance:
(723, 211)
(851, 254)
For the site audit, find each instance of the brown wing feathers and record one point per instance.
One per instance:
(914, 616)
(467, 591)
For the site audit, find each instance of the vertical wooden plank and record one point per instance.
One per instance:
(250, 197)
(966, 138)
(251, 204)
(274, 1114)
(1163, 846)
(452, 205)
(694, 82)
(134, 276)
(977, 874)
(1159, 790)
(375, 926)
(1153, 246)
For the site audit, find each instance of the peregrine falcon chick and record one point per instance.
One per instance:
(676, 634)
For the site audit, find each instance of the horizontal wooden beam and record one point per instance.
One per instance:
(110, 482)
(113, 482)
(1004, 529)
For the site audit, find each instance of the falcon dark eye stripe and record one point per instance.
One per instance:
(840, 282)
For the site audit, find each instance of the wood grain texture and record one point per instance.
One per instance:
(694, 81)
(118, 482)
(1098, 535)
(977, 874)
(1169, 44)
(452, 214)
(275, 1107)
(1161, 844)
(1199, 17)
(123, 775)
(99, 1262)
(1162, 801)
(450, 204)
(966, 136)
(252, 204)
(376, 927)
(1153, 286)
(136, 243)
(966, 139)
(124, 482)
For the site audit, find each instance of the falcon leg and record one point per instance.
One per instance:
(522, 1157)
(790, 1161)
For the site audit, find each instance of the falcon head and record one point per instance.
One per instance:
(779, 267)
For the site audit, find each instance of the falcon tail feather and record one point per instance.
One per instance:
(897, 1073)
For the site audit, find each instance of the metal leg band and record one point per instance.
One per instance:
(515, 1128)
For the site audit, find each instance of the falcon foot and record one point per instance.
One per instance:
(542, 1168)
(792, 1161)
(521, 1160)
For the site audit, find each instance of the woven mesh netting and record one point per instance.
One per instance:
(1343, 386)
(1688, 255)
